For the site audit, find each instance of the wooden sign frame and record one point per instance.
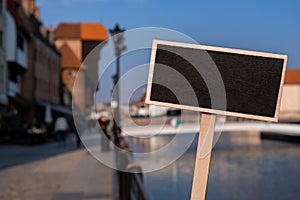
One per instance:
(219, 49)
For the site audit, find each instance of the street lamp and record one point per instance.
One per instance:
(118, 38)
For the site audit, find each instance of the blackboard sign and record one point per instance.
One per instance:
(216, 80)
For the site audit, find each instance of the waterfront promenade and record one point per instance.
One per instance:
(52, 171)
(280, 128)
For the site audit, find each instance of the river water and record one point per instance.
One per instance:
(240, 168)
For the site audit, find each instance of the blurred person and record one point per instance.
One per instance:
(61, 127)
(117, 135)
(175, 122)
(104, 126)
(103, 122)
(74, 130)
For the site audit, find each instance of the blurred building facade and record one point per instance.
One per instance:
(3, 64)
(47, 70)
(75, 41)
(19, 45)
(33, 63)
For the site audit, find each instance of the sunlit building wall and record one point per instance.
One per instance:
(75, 41)
(290, 105)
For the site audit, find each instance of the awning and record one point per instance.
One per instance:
(56, 107)
(48, 115)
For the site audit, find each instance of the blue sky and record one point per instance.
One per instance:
(259, 25)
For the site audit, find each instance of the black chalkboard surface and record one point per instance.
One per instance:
(216, 80)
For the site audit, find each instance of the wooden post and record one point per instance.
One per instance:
(207, 127)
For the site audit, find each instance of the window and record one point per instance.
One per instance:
(1, 7)
(2, 74)
(1, 39)
(2, 79)
(13, 75)
(35, 54)
(72, 73)
(20, 42)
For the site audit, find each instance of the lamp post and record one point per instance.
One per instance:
(118, 38)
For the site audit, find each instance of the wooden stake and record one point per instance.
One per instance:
(207, 127)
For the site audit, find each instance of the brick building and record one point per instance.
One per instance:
(75, 41)
(19, 53)
(33, 63)
(47, 70)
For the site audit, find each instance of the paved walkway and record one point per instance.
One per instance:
(52, 172)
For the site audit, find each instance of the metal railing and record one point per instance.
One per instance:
(138, 191)
(130, 177)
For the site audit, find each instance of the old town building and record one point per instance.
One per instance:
(18, 54)
(33, 63)
(75, 41)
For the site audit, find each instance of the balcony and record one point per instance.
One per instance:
(13, 88)
(21, 58)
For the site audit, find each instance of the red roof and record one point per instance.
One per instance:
(83, 31)
(68, 57)
(93, 32)
(292, 76)
(68, 30)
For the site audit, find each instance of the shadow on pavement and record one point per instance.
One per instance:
(12, 155)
